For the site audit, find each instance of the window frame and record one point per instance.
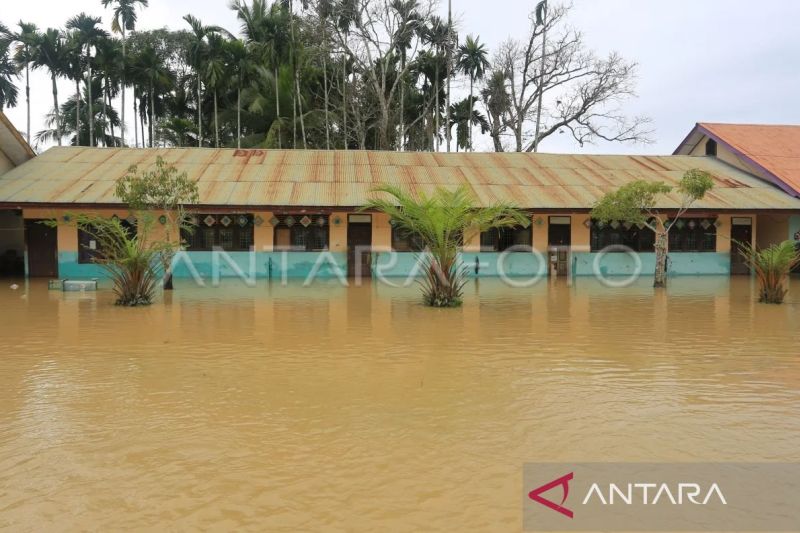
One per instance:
(189, 241)
(506, 239)
(311, 234)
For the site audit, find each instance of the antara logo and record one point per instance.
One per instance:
(536, 494)
(629, 494)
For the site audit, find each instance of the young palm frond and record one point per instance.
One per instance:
(442, 221)
(772, 267)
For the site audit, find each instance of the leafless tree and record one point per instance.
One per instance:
(581, 92)
(373, 43)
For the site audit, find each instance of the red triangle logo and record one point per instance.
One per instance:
(536, 494)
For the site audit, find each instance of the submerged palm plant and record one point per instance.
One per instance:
(130, 258)
(441, 222)
(772, 267)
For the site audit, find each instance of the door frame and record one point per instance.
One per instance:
(51, 272)
(736, 260)
(559, 254)
(363, 268)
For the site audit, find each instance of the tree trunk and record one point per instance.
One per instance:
(168, 280)
(122, 86)
(216, 120)
(89, 98)
(28, 95)
(300, 110)
(199, 112)
(344, 101)
(77, 112)
(277, 105)
(660, 280)
(436, 110)
(325, 87)
(469, 118)
(151, 117)
(135, 122)
(103, 94)
(110, 123)
(59, 129)
(402, 144)
(239, 116)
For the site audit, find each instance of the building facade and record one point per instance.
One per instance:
(288, 214)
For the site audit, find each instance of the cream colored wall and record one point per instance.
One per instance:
(67, 232)
(724, 234)
(5, 163)
(338, 236)
(381, 233)
(264, 235)
(539, 232)
(725, 155)
(581, 236)
(772, 229)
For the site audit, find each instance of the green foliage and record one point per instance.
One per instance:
(159, 189)
(695, 184)
(772, 267)
(442, 221)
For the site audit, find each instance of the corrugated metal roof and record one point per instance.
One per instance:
(12, 144)
(79, 175)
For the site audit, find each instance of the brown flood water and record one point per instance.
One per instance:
(332, 409)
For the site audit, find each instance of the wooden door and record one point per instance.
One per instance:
(741, 232)
(359, 242)
(41, 243)
(559, 240)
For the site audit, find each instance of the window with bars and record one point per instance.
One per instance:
(501, 239)
(405, 241)
(302, 233)
(228, 232)
(638, 238)
(693, 235)
(89, 248)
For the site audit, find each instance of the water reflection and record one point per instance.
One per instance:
(288, 408)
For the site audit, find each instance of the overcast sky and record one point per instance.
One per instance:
(699, 60)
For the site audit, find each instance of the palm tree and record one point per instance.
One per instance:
(26, 39)
(438, 36)
(407, 10)
(88, 34)
(197, 54)
(110, 63)
(241, 65)
(8, 72)
(442, 221)
(473, 61)
(79, 136)
(150, 68)
(464, 118)
(214, 73)
(125, 18)
(772, 267)
(74, 69)
(51, 53)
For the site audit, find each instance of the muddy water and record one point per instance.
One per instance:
(295, 409)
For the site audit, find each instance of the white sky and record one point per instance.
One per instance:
(699, 60)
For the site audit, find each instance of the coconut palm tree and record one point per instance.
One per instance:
(442, 221)
(26, 40)
(50, 52)
(88, 34)
(473, 61)
(8, 72)
(125, 18)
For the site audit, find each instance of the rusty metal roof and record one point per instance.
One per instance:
(79, 176)
(12, 144)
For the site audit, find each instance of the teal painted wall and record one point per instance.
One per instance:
(231, 264)
(794, 225)
(681, 264)
(513, 265)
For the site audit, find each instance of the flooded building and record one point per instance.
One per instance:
(14, 151)
(299, 210)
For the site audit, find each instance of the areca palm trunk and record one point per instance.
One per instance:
(344, 101)
(124, 62)
(325, 87)
(28, 94)
(239, 116)
(77, 111)
(59, 128)
(110, 122)
(152, 115)
(216, 120)
(402, 144)
(300, 109)
(135, 123)
(104, 93)
(469, 119)
(199, 112)
(89, 94)
(436, 110)
(277, 105)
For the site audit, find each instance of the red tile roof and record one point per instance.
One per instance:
(775, 150)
